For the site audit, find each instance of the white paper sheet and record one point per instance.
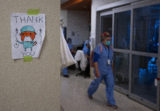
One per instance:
(27, 34)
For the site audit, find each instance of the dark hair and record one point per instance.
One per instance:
(69, 40)
(105, 35)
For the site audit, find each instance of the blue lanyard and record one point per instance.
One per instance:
(106, 51)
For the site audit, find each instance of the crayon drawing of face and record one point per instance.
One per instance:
(27, 37)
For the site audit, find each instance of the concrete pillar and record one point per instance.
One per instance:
(30, 86)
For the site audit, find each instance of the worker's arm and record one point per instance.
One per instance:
(95, 61)
(96, 69)
(91, 59)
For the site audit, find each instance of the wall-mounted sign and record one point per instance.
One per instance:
(27, 34)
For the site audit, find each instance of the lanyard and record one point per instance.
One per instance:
(108, 51)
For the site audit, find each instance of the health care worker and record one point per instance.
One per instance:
(103, 59)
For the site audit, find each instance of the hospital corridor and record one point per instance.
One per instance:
(74, 97)
(114, 55)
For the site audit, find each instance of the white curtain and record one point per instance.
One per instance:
(66, 56)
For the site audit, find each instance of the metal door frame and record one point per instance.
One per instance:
(158, 89)
(99, 23)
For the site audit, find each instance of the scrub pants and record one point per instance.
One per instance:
(65, 71)
(109, 83)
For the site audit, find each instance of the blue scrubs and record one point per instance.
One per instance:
(27, 44)
(70, 46)
(65, 71)
(102, 55)
(85, 49)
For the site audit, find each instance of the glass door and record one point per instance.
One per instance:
(145, 44)
(136, 38)
(105, 24)
(122, 24)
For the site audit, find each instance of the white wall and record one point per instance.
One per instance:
(30, 86)
(78, 22)
(63, 17)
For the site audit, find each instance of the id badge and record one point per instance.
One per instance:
(108, 61)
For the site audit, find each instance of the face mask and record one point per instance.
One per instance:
(108, 43)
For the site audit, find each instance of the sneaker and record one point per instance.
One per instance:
(78, 73)
(112, 106)
(67, 76)
(90, 97)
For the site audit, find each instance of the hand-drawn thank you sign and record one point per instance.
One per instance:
(27, 34)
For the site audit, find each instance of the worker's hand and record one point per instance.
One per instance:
(97, 74)
(96, 69)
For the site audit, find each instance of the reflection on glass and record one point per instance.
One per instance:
(144, 71)
(121, 66)
(146, 29)
(122, 30)
(106, 26)
(106, 22)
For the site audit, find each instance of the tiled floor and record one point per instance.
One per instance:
(74, 97)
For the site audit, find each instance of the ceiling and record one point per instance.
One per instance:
(77, 5)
